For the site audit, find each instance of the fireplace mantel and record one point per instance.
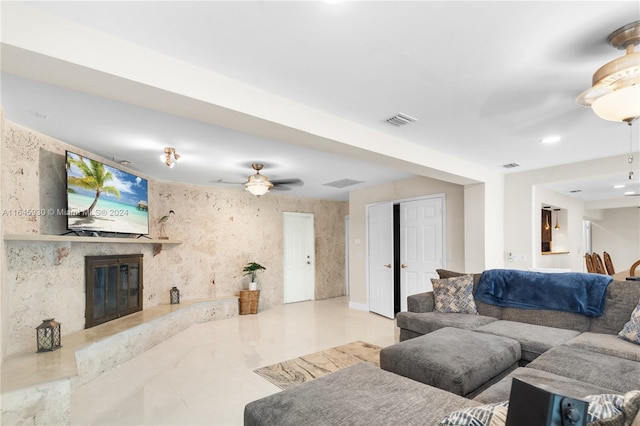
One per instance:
(77, 239)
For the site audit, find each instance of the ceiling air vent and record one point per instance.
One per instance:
(400, 119)
(343, 183)
(575, 191)
(510, 165)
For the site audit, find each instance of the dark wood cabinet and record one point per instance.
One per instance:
(546, 231)
(113, 287)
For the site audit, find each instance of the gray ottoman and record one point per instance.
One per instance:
(458, 361)
(358, 395)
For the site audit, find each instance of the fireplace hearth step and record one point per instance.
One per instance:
(86, 354)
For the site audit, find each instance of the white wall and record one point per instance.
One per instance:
(618, 233)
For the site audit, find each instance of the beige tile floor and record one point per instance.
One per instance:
(204, 375)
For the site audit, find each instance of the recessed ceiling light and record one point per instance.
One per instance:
(629, 192)
(618, 186)
(550, 139)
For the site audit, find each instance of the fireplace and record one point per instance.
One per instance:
(113, 287)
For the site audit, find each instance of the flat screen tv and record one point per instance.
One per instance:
(104, 199)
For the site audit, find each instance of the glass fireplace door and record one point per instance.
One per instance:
(113, 287)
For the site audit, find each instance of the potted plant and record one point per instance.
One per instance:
(252, 268)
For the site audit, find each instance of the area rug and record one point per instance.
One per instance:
(291, 373)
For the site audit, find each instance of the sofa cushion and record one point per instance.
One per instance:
(358, 395)
(618, 374)
(428, 322)
(622, 297)
(562, 385)
(631, 330)
(548, 318)
(608, 344)
(454, 295)
(534, 339)
(485, 415)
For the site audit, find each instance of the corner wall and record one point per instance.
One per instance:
(618, 233)
(221, 229)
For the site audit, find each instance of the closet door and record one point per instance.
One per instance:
(380, 250)
(422, 245)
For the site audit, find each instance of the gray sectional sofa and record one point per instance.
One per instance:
(571, 353)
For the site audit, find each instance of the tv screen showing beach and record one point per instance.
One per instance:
(101, 198)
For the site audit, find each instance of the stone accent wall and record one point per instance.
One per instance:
(221, 229)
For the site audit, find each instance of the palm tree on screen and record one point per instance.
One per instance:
(94, 177)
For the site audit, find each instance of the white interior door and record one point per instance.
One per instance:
(422, 248)
(299, 257)
(380, 248)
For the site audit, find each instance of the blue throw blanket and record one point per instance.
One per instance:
(567, 291)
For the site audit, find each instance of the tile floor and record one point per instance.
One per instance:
(204, 375)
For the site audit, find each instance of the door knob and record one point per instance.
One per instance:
(403, 266)
(388, 265)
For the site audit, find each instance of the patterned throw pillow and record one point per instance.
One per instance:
(454, 295)
(484, 415)
(631, 330)
(603, 406)
(605, 409)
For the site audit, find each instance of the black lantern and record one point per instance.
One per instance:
(48, 335)
(174, 294)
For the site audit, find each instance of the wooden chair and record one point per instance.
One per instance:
(632, 270)
(608, 264)
(589, 261)
(598, 265)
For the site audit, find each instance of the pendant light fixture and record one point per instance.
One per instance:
(170, 153)
(547, 225)
(557, 227)
(615, 91)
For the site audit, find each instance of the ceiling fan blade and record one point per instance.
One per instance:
(226, 182)
(290, 182)
(280, 188)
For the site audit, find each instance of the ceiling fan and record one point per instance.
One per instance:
(259, 184)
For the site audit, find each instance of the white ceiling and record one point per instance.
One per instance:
(486, 81)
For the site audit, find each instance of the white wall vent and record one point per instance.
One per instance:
(343, 183)
(400, 119)
(510, 165)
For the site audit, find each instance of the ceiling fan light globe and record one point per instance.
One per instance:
(619, 105)
(257, 189)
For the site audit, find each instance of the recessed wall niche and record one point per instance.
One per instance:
(553, 229)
